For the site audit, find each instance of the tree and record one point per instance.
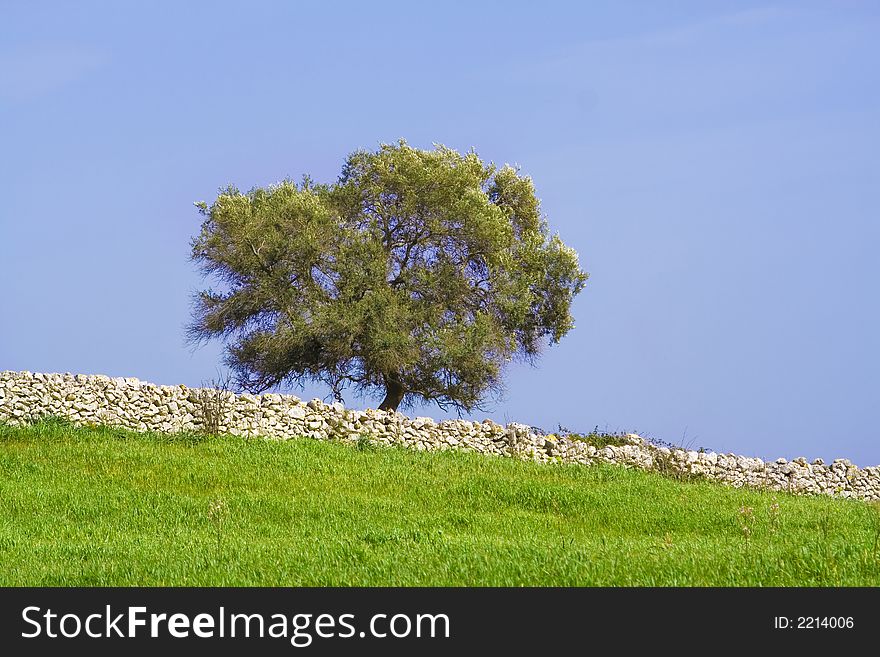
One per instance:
(418, 273)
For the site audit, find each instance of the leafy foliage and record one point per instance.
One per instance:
(417, 273)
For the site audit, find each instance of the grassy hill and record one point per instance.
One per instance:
(107, 507)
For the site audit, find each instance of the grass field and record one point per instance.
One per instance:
(106, 507)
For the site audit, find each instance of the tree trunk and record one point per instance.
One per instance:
(393, 395)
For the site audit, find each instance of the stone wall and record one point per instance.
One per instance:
(132, 404)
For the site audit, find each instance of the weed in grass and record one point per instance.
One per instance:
(364, 443)
(773, 515)
(874, 507)
(44, 425)
(217, 514)
(746, 516)
(825, 528)
(213, 403)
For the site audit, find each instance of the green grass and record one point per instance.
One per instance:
(107, 507)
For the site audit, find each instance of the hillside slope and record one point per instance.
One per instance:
(103, 506)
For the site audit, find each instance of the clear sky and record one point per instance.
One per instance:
(715, 164)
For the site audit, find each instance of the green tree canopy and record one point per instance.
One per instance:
(418, 274)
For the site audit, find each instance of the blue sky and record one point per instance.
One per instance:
(715, 164)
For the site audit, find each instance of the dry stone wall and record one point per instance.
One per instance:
(132, 404)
